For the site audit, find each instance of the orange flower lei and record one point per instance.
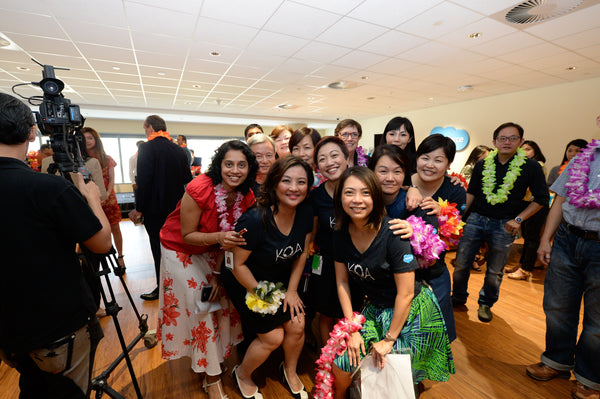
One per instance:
(160, 134)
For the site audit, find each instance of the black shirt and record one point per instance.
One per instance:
(43, 296)
(323, 209)
(532, 177)
(374, 269)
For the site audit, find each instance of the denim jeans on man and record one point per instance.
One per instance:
(480, 229)
(573, 273)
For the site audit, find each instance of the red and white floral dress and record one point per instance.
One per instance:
(187, 326)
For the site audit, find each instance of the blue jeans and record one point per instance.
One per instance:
(480, 229)
(573, 274)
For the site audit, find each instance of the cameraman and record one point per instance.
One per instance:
(48, 328)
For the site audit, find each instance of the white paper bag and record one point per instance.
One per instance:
(393, 381)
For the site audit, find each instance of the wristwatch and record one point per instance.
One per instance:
(519, 219)
(388, 337)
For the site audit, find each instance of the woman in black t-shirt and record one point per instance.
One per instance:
(277, 234)
(400, 312)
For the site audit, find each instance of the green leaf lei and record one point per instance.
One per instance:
(489, 176)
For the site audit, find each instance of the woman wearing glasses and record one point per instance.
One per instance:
(350, 132)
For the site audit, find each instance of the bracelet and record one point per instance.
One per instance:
(216, 273)
(388, 337)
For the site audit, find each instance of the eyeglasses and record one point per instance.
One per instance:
(504, 139)
(353, 135)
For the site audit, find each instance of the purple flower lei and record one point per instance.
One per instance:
(361, 157)
(578, 192)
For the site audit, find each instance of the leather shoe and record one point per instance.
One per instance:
(541, 372)
(580, 391)
(150, 296)
(485, 313)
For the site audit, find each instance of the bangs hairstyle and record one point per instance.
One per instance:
(214, 170)
(301, 133)
(435, 141)
(581, 143)
(98, 150)
(395, 124)
(345, 123)
(368, 177)
(330, 139)
(509, 124)
(156, 122)
(539, 156)
(268, 196)
(16, 120)
(396, 154)
(278, 130)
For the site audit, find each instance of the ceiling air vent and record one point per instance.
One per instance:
(533, 11)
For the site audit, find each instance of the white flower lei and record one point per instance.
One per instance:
(489, 176)
(221, 195)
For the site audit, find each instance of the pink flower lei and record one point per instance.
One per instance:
(336, 345)
(361, 157)
(425, 242)
(223, 212)
(578, 191)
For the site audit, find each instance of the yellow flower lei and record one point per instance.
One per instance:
(489, 176)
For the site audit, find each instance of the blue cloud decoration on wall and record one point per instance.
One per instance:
(459, 136)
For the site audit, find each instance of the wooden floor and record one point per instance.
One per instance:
(490, 358)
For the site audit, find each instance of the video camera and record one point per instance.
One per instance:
(62, 121)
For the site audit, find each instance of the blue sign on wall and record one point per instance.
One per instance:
(459, 136)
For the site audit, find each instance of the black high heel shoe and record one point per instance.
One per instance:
(255, 395)
(301, 394)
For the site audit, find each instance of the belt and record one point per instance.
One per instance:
(581, 233)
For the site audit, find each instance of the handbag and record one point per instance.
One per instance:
(393, 381)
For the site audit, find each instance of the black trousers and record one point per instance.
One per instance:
(531, 230)
(153, 224)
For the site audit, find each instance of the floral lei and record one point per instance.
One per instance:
(425, 242)
(160, 134)
(450, 223)
(578, 192)
(221, 195)
(361, 157)
(336, 345)
(489, 176)
(266, 297)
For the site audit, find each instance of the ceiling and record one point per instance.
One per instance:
(134, 56)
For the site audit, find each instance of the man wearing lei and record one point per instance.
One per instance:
(497, 187)
(573, 274)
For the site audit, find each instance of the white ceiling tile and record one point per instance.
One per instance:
(580, 40)
(487, 7)
(506, 44)
(204, 66)
(108, 66)
(37, 44)
(283, 77)
(483, 66)
(351, 33)
(253, 59)
(89, 11)
(32, 6)
(522, 56)
(246, 72)
(92, 51)
(220, 32)
(165, 61)
(489, 29)
(319, 20)
(16, 56)
(37, 25)
(276, 43)
(506, 73)
(333, 72)
(203, 50)
(592, 52)
(390, 13)
(59, 61)
(298, 66)
(118, 77)
(144, 41)
(144, 19)
(249, 13)
(392, 43)
(439, 20)
(575, 22)
(341, 7)
(559, 62)
(184, 6)
(237, 81)
(585, 70)
(321, 52)
(98, 34)
(201, 78)
(427, 52)
(160, 73)
(392, 66)
(74, 75)
(359, 59)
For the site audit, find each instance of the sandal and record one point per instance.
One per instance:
(120, 261)
(219, 385)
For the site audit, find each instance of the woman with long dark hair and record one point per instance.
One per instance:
(400, 312)
(195, 318)
(571, 150)
(277, 234)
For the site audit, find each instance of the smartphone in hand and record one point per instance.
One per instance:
(205, 293)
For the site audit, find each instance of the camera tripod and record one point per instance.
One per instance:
(101, 266)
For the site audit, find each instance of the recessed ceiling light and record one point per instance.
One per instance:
(571, 68)
(187, 102)
(161, 74)
(23, 69)
(311, 98)
(341, 85)
(475, 35)
(215, 53)
(116, 68)
(465, 88)
(430, 98)
(364, 77)
(196, 86)
(286, 106)
(4, 42)
(370, 98)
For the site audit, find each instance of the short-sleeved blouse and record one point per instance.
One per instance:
(201, 189)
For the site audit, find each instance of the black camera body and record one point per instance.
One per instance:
(62, 121)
